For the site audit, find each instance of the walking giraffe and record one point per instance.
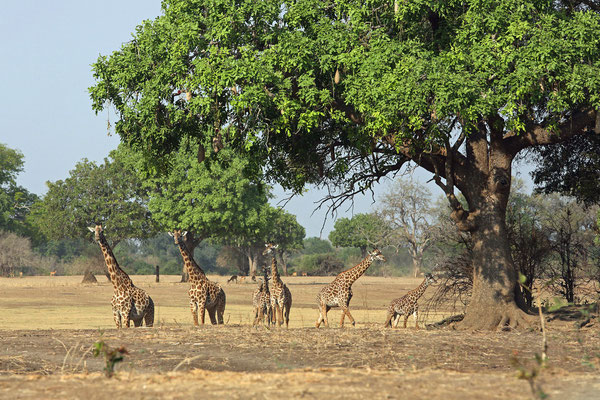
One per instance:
(407, 304)
(261, 300)
(339, 292)
(281, 297)
(204, 294)
(128, 302)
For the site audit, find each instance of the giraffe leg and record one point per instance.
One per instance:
(346, 311)
(388, 321)
(415, 316)
(126, 313)
(211, 315)
(326, 309)
(405, 319)
(201, 311)
(194, 309)
(149, 314)
(287, 315)
(279, 314)
(257, 314)
(396, 320)
(221, 309)
(117, 318)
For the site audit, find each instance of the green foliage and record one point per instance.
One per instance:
(15, 200)
(319, 264)
(109, 193)
(315, 245)
(294, 82)
(111, 356)
(356, 231)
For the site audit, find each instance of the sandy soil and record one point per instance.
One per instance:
(48, 327)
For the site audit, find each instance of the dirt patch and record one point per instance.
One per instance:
(242, 362)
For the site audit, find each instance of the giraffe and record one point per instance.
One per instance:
(261, 300)
(339, 292)
(204, 294)
(129, 303)
(281, 297)
(407, 304)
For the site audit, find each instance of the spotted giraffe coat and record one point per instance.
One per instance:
(281, 297)
(339, 292)
(261, 301)
(129, 303)
(407, 304)
(204, 294)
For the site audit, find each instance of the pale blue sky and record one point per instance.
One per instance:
(46, 49)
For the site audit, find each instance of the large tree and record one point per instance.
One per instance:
(344, 93)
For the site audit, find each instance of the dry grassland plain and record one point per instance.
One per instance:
(48, 326)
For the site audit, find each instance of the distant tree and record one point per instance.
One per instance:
(571, 237)
(285, 231)
(15, 201)
(108, 193)
(274, 226)
(314, 245)
(407, 213)
(361, 231)
(529, 237)
(16, 253)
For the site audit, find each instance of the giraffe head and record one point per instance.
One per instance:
(376, 255)
(429, 279)
(178, 236)
(269, 247)
(97, 229)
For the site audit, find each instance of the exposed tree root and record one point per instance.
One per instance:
(505, 318)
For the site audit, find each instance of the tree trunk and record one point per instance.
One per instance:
(253, 263)
(281, 262)
(493, 303)
(417, 263)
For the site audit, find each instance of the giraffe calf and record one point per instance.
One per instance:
(407, 304)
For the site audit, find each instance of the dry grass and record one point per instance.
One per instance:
(62, 302)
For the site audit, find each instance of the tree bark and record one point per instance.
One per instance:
(417, 263)
(493, 304)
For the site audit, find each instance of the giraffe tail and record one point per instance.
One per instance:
(149, 314)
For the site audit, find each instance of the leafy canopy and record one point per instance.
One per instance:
(308, 88)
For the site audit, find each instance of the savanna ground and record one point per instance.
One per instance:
(48, 326)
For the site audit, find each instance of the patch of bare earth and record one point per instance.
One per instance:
(236, 361)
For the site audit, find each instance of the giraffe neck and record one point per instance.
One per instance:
(118, 277)
(194, 271)
(266, 282)
(419, 290)
(274, 272)
(351, 275)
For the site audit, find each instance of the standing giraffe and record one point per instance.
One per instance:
(281, 297)
(204, 294)
(407, 304)
(261, 300)
(339, 292)
(128, 302)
